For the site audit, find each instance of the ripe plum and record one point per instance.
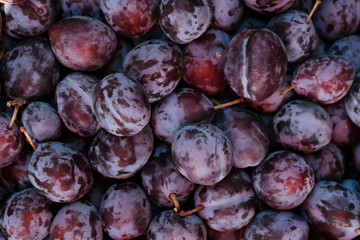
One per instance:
(302, 126)
(202, 153)
(269, 7)
(283, 180)
(120, 157)
(120, 105)
(82, 43)
(227, 13)
(157, 65)
(85, 7)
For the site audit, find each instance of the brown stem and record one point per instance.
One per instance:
(228, 104)
(41, 8)
(357, 231)
(187, 213)
(313, 10)
(27, 135)
(287, 89)
(17, 103)
(176, 202)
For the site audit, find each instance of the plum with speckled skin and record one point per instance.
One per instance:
(73, 97)
(272, 224)
(125, 211)
(169, 225)
(184, 20)
(255, 64)
(352, 101)
(30, 70)
(59, 172)
(82, 43)
(247, 134)
(283, 180)
(327, 163)
(26, 215)
(120, 105)
(160, 178)
(229, 204)
(302, 126)
(157, 65)
(130, 18)
(332, 211)
(183, 106)
(42, 121)
(11, 141)
(227, 13)
(202, 153)
(121, 157)
(348, 47)
(299, 37)
(324, 79)
(203, 62)
(269, 6)
(334, 19)
(77, 220)
(85, 7)
(29, 18)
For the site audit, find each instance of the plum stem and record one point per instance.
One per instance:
(228, 104)
(40, 7)
(357, 231)
(176, 202)
(187, 213)
(313, 10)
(287, 89)
(17, 103)
(27, 135)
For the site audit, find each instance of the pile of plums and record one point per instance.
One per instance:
(179, 119)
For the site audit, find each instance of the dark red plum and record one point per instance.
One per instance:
(324, 79)
(283, 180)
(230, 204)
(255, 64)
(169, 225)
(269, 6)
(160, 178)
(332, 211)
(184, 20)
(202, 153)
(125, 211)
(35, 79)
(77, 220)
(15, 177)
(299, 37)
(345, 132)
(29, 18)
(82, 43)
(247, 134)
(327, 163)
(227, 13)
(203, 62)
(26, 215)
(59, 172)
(73, 99)
(157, 65)
(302, 126)
(120, 105)
(334, 19)
(120, 157)
(130, 18)
(227, 235)
(272, 224)
(11, 141)
(42, 121)
(174, 111)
